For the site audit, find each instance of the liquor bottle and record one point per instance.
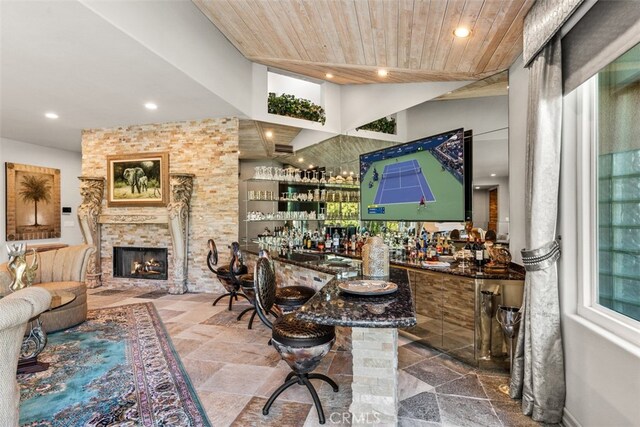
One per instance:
(478, 249)
(439, 247)
(336, 240)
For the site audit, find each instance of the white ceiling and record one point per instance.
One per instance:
(62, 57)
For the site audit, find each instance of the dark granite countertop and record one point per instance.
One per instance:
(330, 306)
(328, 262)
(322, 262)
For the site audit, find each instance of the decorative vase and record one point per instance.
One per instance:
(375, 258)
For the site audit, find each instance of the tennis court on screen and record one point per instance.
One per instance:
(403, 183)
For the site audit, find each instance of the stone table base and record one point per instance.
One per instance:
(375, 379)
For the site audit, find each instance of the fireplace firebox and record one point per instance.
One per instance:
(140, 263)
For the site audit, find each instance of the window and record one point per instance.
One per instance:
(618, 185)
(607, 150)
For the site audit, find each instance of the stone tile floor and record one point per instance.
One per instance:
(234, 371)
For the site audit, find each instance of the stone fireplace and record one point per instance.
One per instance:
(140, 263)
(167, 230)
(203, 203)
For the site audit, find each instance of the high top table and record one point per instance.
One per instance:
(375, 321)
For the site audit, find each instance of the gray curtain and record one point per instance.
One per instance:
(538, 370)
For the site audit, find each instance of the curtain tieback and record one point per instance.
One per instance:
(541, 258)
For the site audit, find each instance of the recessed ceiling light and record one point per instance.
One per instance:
(382, 73)
(477, 188)
(150, 106)
(493, 174)
(310, 166)
(329, 75)
(351, 173)
(268, 134)
(462, 32)
(449, 92)
(51, 116)
(238, 151)
(344, 172)
(300, 159)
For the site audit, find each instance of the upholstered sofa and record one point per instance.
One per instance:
(15, 311)
(60, 270)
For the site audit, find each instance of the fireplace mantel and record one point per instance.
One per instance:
(162, 218)
(175, 217)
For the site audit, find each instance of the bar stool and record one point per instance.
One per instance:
(228, 275)
(246, 283)
(300, 343)
(288, 298)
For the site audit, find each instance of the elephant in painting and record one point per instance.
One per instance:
(133, 175)
(144, 183)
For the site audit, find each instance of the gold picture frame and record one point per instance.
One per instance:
(135, 180)
(33, 202)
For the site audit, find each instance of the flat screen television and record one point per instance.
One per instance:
(428, 179)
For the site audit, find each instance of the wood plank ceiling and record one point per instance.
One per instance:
(254, 142)
(351, 39)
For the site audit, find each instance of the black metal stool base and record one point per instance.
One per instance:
(231, 295)
(302, 379)
(245, 311)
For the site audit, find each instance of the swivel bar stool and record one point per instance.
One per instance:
(288, 298)
(228, 275)
(248, 289)
(300, 343)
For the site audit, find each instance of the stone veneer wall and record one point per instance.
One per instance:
(289, 275)
(206, 148)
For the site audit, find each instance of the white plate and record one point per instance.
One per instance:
(368, 287)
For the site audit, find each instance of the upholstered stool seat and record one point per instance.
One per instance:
(290, 298)
(291, 331)
(246, 280)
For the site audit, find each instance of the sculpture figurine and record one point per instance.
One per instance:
(22, 274)
(500, 258)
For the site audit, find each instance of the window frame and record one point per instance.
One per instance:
(587, 220)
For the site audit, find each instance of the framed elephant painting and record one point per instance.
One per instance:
(138, 180)
(33, 202)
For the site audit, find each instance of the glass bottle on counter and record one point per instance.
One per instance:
(336, 240)
(478, 249)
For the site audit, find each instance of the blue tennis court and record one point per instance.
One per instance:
(403, 183)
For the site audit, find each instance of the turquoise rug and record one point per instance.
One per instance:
(117, 368)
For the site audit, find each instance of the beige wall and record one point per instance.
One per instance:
(206, 148)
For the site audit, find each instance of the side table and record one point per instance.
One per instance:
(36, 339)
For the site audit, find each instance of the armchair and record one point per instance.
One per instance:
(60, 270)
(15, 311)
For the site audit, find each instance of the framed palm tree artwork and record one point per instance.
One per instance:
(33, 202)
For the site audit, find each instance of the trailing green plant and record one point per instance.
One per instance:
(300, 108)
(383, 125)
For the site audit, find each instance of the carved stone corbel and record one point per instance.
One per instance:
(92, 191)
(178, 207)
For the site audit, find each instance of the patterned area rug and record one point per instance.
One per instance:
(117, 368)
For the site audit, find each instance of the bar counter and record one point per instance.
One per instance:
(313, 259)
(455, 307)
(330, 306)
